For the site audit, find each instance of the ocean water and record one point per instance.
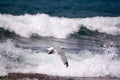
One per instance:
(89, 30)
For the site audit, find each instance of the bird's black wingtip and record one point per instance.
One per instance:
(66, 64)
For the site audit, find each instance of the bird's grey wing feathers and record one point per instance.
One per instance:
(64, 59)
(61, 53)
(59, 50)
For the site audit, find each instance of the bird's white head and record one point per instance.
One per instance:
(50, 50)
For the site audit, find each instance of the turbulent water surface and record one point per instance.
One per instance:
(89, 30)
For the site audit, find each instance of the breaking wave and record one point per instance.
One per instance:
(58, 27)
(83, 64)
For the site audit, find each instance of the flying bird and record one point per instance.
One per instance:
(60, 52)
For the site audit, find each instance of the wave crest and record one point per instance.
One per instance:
(59, 27)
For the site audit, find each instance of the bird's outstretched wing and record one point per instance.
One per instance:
(60, 52)
(64, 59)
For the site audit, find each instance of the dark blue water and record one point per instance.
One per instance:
(64, 8)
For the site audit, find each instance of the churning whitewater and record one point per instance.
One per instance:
(58, 27)
(83, 64)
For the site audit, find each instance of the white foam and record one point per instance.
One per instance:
(84, 64)
(59, 27)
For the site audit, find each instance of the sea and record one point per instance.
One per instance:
(89, 31)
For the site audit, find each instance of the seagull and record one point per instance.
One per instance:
(60, 52)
